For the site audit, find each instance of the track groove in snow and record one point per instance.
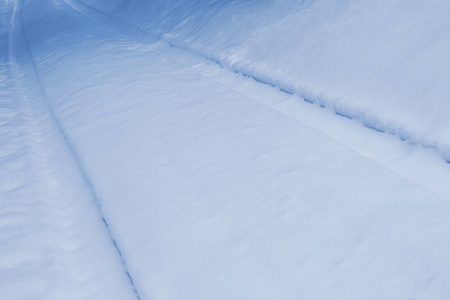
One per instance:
(365, 118)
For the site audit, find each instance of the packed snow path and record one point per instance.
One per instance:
(206, 192)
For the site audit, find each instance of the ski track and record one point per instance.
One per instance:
(37, 222)
(365, 119)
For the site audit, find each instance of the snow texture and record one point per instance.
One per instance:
(383, 62)
(135, 164)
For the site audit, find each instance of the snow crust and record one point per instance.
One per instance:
(383, 62)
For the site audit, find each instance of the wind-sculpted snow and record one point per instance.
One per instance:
(210, 193)
(384, 63)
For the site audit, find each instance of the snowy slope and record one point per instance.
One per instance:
(212, 194)
(382, 62)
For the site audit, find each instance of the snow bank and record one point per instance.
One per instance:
(382, 62)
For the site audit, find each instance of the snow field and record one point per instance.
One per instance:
(212, 195)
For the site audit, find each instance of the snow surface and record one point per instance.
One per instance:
(382, 62)
(131, 168)
(53, 243)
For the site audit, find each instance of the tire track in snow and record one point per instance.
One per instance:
(20, 41)
(367, 120)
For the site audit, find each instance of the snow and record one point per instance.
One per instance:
(53, 242)
(383, 62)
(132, 168)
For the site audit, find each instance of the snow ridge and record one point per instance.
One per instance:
(18, 37)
